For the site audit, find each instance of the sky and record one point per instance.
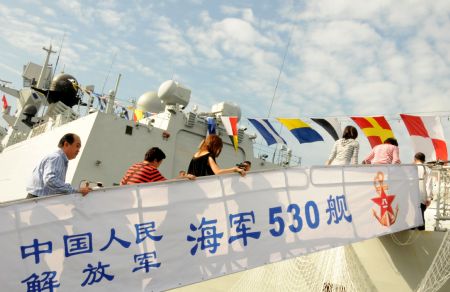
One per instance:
(341, 58)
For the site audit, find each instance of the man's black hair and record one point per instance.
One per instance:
(420, 156)
(391, 141)
(153, 154)
(69, 138)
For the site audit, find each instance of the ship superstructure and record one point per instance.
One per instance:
(46, 110)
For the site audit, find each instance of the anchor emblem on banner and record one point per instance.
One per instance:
(387, 215)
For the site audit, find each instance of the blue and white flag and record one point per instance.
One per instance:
(211, 122)
(267, 131)
(101, 100)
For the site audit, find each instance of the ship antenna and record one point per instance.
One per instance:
(281, 70)
(278, 81)
(59, 54)
(109, 72)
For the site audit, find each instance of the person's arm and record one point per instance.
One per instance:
(54, 174)
(395, 156)
(186, 175)
(355, 153)
(333, 154)
(217, 170)
(153, 174)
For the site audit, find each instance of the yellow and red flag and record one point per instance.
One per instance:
(376, 129)
(230, 125)
(138, 115)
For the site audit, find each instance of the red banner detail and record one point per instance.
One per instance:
(441, 149)
(362, 122)
(382, 122)
(414, 125)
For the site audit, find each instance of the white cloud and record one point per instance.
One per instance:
(245, 13)
(84, 13)
(110, 17)
(25, 35)
(205, 17)
(171, 40)
(338, 10)
(196, 2)
(109, 4)
(231, 36)
(373, 97)
(107, 12)
(396, 16)
(48, 11)
(11, 69)
(343, 35)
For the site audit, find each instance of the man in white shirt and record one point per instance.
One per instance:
(425, 185)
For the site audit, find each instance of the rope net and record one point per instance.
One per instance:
(336, 269)
(439, 271)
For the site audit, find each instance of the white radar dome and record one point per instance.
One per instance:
(150, 102)
(227, 109)
(172, 93)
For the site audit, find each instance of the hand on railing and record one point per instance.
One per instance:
(86, 186)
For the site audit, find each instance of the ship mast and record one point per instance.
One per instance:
(112, 96)
(41, 76)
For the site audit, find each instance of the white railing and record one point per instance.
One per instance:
(441, 192)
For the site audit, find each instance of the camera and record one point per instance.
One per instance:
(241, 165)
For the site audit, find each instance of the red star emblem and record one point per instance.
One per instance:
(384, 201)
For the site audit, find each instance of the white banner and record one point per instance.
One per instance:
(164, 235)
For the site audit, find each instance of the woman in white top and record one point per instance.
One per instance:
(345, 150)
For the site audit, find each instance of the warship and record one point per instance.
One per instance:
(50, 106)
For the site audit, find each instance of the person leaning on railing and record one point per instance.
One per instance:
(49, 176)
(204, 161)
(386, 153)
(345, 150)
(147, 171)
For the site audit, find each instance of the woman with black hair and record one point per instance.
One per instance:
(345, 150)
(386, 153)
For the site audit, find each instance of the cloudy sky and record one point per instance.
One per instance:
(344, 58)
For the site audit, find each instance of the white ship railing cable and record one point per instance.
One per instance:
(439, 272)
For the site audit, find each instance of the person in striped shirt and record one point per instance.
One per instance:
(49, 175)
(147, 171)
(386, 153)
